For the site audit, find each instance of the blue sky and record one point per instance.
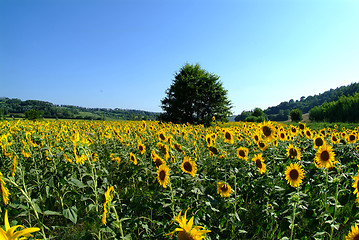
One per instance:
(124, 53)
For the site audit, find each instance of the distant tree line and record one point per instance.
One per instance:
(346, 109)
(13, 107)
(305, 104)
(257, 115)
(334, 105)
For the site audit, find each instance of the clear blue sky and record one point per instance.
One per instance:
(124, 53)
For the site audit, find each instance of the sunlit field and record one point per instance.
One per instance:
(146, 180)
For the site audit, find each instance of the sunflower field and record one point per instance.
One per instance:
(152, 180)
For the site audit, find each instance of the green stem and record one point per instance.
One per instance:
(119, 222)
(172, 201)
(28, 200)
(293, 220)
(335, 211)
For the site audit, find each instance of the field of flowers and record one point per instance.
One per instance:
(151, 180)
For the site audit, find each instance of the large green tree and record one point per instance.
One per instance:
(195, 96)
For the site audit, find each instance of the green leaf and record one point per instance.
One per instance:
(71, 214)
(76, 182)
(53, 213)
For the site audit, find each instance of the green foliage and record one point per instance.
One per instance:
(16, 107)
(346, 109)
(33, 114)
(257, 115)
(305, 104)
(195, 96)
(2, 114)
(51, 189)
(296, 115)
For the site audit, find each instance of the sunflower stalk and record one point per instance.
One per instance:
(28, 200)
(119, 223)
(94, 179)
(295, 198)
(336, 180)
(172, 200)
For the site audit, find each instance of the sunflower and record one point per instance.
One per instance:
(318, 141)
(13, 166)
(282, 135)
(162, 136)
(116, 159)
(133, 158)
(352, 137)
(335, 138)
(301, 125)
(353, 234)
(157, 159)
(325, 156)
(187, 231)
(164, 150)
(163, 175)
(294, 174)
(262, 145)
(106, 204)
(258, 159)
(228, 136)
(356, 185)
(268, 131)
(4, 191)
(293, 152)
(9, 232)
(189, 166)
(224, 189)
(209, 140)
(294, 131)
(178, 147)
(242, 153)
(141, 147)
(213, 150)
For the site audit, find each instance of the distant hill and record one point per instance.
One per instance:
(305, 104)
(13, 107)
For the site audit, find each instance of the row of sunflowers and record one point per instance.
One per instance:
(134, 180)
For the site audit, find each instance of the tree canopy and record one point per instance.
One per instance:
(195, 96)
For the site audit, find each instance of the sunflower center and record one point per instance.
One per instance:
(318, 142)
(162, 136)
(261, 144)
(292, 152)
(259, 163)
(162, 175)
(214, 150)
(266, 131)
(356, 237)
(294, 174)
(324, 156)
(187, 166)
(228, 136)
(351, 137)
(158, 162)
(183, 235)
(224, 188)
(140, 148)
(335, 138)
(282, 136)
(241, 153)
(163, 150)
